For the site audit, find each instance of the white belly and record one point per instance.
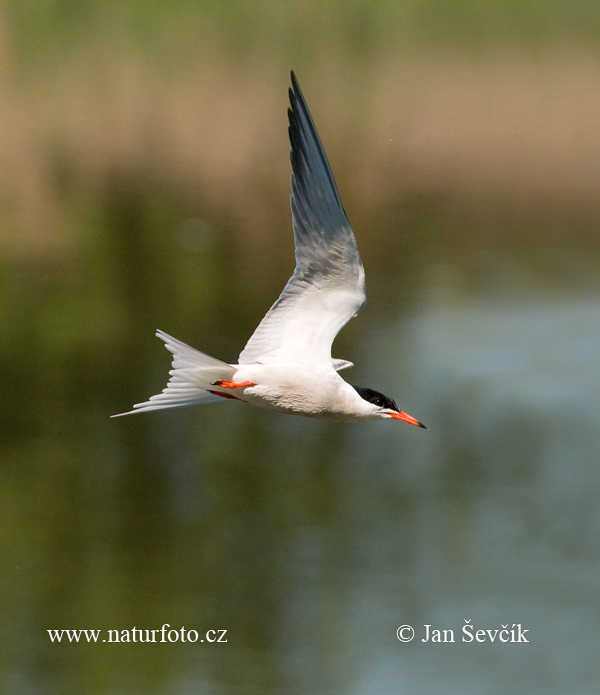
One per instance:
(322, 395)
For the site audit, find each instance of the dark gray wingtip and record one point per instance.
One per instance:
(295, 86)
(310, 165)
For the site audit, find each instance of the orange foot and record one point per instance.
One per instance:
(233, 384)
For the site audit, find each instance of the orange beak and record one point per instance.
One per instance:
(408, 418)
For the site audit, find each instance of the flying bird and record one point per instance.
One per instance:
(287, 365)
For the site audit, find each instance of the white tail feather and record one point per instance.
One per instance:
(193, 372)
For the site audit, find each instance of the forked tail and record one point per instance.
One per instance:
(191, 376)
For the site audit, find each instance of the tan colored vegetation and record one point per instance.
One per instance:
(212, 127)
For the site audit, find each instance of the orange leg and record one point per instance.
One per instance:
(233, 384)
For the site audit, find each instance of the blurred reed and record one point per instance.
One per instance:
(198, 108)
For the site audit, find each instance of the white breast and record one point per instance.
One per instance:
(321, 394)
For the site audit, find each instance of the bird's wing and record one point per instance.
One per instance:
(328, 285)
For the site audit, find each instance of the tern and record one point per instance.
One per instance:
(287, 365)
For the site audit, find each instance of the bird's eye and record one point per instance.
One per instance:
(376, 398)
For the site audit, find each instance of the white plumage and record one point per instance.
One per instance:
(287, 365)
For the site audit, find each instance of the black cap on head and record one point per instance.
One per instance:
(376, 398)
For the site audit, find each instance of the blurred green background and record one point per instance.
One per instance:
(144, 184)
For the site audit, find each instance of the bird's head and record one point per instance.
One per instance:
(386, 407)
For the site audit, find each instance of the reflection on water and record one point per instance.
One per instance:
(310, 542)
(144, 185)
